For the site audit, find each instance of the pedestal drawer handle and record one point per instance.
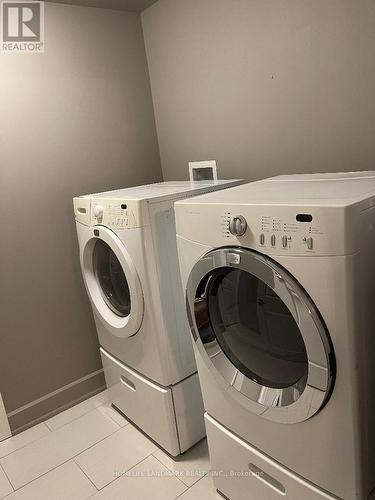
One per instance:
(128, 383)
(267, 479)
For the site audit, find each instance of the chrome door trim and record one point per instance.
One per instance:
(288, 405)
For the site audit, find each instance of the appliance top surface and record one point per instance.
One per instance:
(164, 189)
(339, 189)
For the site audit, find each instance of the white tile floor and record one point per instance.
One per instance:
(91, 451)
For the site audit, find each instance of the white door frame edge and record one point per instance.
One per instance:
(5, 431)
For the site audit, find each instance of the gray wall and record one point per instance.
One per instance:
(75, 120)
(263, 86)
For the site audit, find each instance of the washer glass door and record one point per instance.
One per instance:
(112, 280)
(260, 334)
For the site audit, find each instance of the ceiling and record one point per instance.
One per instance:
(132, 5)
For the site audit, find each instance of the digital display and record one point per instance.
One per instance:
(304, 217)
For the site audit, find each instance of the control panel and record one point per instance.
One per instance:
(284, 241)
(273, 230)
(283, 233)
(289, 232)
(113, 213)
(110, 214)
(292, 232)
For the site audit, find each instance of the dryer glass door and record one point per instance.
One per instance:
(257, 329)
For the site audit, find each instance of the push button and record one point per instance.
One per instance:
(310, 243)
(285, 241)
(262, 239)
(273, 240)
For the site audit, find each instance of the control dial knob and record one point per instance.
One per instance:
(237, 225)
(98, 211)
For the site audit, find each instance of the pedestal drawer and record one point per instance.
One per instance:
(242, 472)
(147, 404)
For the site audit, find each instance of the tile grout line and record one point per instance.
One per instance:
(73, 458)
(189, 487)
(41, 475)
(53, 430)
(50, 431)
(84, 473)
(97, 442)
(62, 463)
(36, 478)
(75, 418)
(173, 472)
(62, 409)
(122, 475)
(127, 422)
(10, 482)
(74, 406)
(27, 444)
(127, 470)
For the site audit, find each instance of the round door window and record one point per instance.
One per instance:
(253, 328)
(260, 334)
(111, 278)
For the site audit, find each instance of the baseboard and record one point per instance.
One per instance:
(61, 399)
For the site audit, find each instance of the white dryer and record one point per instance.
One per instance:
(129, 264)
(279, 278)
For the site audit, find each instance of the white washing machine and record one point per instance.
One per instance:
(280, 283)
(129, 263)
